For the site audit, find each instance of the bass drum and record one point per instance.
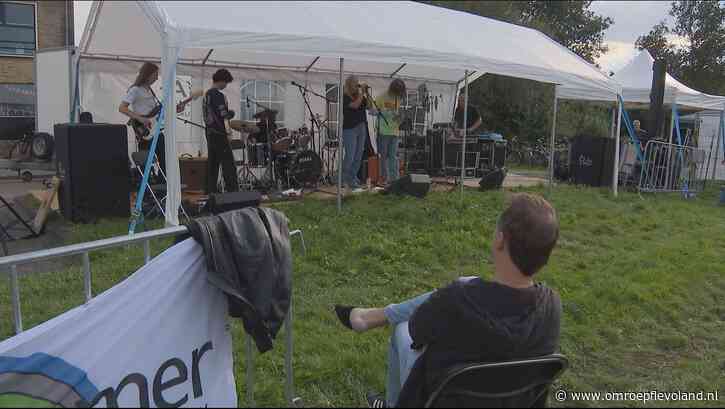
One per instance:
(306, 168)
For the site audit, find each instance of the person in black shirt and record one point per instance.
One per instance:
(472, 319)
(354, 130)
(474, 116)
(218, 134)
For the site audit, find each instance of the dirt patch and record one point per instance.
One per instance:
(57, 233)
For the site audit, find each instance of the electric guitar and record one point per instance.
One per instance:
(143, 131)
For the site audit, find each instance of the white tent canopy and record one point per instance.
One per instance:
(402, 39)
(636, 81)
(377, 38)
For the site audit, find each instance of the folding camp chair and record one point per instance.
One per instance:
(521, 383)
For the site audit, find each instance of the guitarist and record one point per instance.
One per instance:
(141, 105)
(218, 134)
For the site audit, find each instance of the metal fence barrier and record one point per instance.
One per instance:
(672, 168)
(144, 238)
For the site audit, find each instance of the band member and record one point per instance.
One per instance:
(354, 130)
(389, 129)
(141, 105)
(218, 134)
(474, 116)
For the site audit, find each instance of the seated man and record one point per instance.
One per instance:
(472, 319)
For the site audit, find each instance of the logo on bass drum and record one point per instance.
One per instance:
(42, 380)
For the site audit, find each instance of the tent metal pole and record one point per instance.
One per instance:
(398, 70)
(552, 142)
(615, 177)
(720, 137)
(339, 138)
(672, 116)
(465, 134)
(309, 67)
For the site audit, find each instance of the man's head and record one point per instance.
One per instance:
(636, 125)
(221, 78)
(526, 234)
(397, 88)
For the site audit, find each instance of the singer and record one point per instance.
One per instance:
(354, 131)
(388, 129)
(218, 134)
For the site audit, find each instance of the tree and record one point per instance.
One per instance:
(570, 23)
(700, 61)
(519, 107)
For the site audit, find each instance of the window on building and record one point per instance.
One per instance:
(270, 94)
(17, 110)
(17, 28)
(331, 94)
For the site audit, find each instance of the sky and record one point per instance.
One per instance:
(631, 19)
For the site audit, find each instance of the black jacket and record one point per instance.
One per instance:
(478, 321)
(249, 258)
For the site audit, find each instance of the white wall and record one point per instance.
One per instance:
(708, 131)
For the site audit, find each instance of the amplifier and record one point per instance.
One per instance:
(193, 173)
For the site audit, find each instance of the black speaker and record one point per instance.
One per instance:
(592, 161)
(93, 162)
(492, 179)
(414, 184)
(224, 202)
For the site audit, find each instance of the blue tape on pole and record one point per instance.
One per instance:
(630, 130)
(137, 215)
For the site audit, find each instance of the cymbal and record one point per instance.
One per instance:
(243, 126)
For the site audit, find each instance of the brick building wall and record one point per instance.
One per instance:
(51, 32)
(16, 72)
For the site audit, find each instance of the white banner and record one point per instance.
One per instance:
(158, 339)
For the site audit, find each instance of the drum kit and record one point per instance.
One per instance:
(286, 156)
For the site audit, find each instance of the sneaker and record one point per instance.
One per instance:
(376, 400)
(358, 189)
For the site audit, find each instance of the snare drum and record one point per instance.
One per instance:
(256, 155)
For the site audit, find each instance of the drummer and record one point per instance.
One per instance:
(474, 117)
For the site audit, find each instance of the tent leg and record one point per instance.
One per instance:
(339, 138)
(552, 142)
(615, 177)
(465, 134)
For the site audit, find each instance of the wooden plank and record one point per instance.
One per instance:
(42, 216)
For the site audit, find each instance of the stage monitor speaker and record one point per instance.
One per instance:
(492, 179)
(93, 162)
(414, 184)
(224, 202)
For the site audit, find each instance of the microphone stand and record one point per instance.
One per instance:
(313, 119)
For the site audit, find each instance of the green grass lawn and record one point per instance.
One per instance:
(642, 284)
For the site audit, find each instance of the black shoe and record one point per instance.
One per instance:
(375, 400)
(343, 314)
